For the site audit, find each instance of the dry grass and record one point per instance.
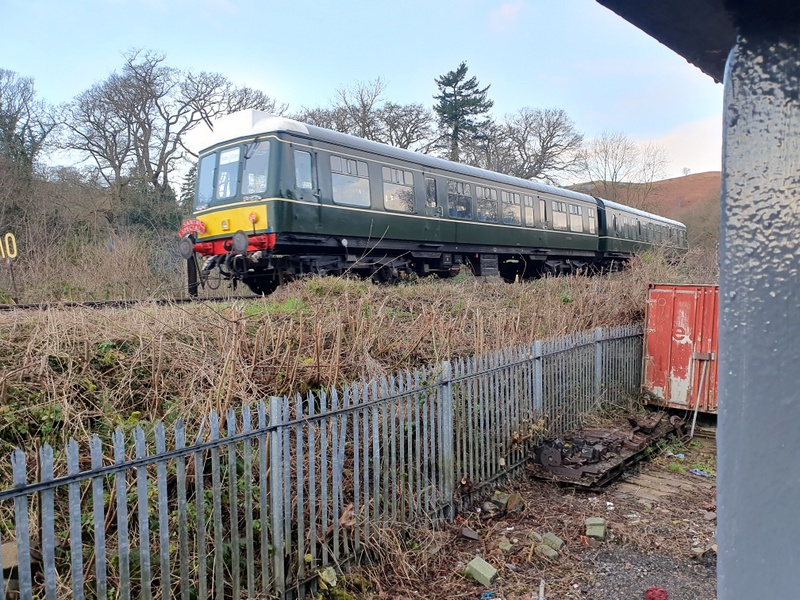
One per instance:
(69, 372)
(73, 372)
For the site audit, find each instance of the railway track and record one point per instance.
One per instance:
(97, 304)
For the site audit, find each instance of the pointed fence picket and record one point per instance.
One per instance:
(257, 511)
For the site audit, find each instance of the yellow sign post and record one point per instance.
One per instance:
(8, 246)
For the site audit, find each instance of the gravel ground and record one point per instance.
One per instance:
(625, 574)
(666, 542)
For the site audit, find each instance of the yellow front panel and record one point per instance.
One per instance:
(227, 221)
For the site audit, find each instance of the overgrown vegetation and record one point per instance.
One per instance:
(70, 371)
(73, 372)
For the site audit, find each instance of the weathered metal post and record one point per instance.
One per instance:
(276, 419)
(446, 436)
(598, 366)
(759, 408)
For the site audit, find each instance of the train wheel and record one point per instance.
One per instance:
(262, 286)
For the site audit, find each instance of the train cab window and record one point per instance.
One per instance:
(486, 201)
(302, 170)
(350, 181)
(592, 220)
(256, 168)
(559, 215)
(575, 218)
(511, 208)
(459, 199)
(430, 192)
(398, 190)
(227, 173)
(205, 181)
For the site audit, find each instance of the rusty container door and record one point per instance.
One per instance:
(680, 346)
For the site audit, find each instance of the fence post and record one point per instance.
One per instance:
(21, 523)
(598, 365)
(75, 514)
(276, 491)
(446, 430)
(538, 380)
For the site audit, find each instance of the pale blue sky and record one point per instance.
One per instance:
(570, 54)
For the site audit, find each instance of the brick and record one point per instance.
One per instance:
(596, 528)
(481, 571)
(504, 545)
(546, 551)
(500, 500)
(552, 540)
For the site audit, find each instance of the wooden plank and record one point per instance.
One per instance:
(665, 485)
(687, 480)
(640, 492)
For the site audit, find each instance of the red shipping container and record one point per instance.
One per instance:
(680, 346)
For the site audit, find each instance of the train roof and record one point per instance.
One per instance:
(249, 123)
(640, 213)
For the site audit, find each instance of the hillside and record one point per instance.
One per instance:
(677, 197)
(694, 200)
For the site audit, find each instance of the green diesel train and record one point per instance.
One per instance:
(276, 198)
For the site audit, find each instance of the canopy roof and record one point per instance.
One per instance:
(704, 31)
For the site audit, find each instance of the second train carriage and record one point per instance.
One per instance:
(276, 198)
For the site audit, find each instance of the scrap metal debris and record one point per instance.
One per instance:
(591, 457)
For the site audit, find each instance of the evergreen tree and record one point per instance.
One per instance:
(462, 108)
(187, 188)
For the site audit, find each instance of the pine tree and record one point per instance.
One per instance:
(461, 104)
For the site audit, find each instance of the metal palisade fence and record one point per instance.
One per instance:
(264, 498)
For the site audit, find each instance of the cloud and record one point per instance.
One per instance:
(696, 146)
(505, 17)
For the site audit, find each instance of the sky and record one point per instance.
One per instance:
(570, 54)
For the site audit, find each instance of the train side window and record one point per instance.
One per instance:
(576, 218)
(205, 181)
(592, 220)
(511, 208)
(559, 215)
(302, 170)
(615, 225)
(528, 216)
(227, 173)
(486, 201)
(639, 228)
(398, 190)
(459, 199)
(350, 181)
(430, 192)
(542, 212)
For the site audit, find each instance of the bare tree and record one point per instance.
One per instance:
(543, 144)
(25, 125)
(96, 128)
(620, 170)
(242, 98)
(408, 126)
(360, 110)
(25, 122)
(488, 149)
(329, 118)
(360, 103)
(132, 125)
